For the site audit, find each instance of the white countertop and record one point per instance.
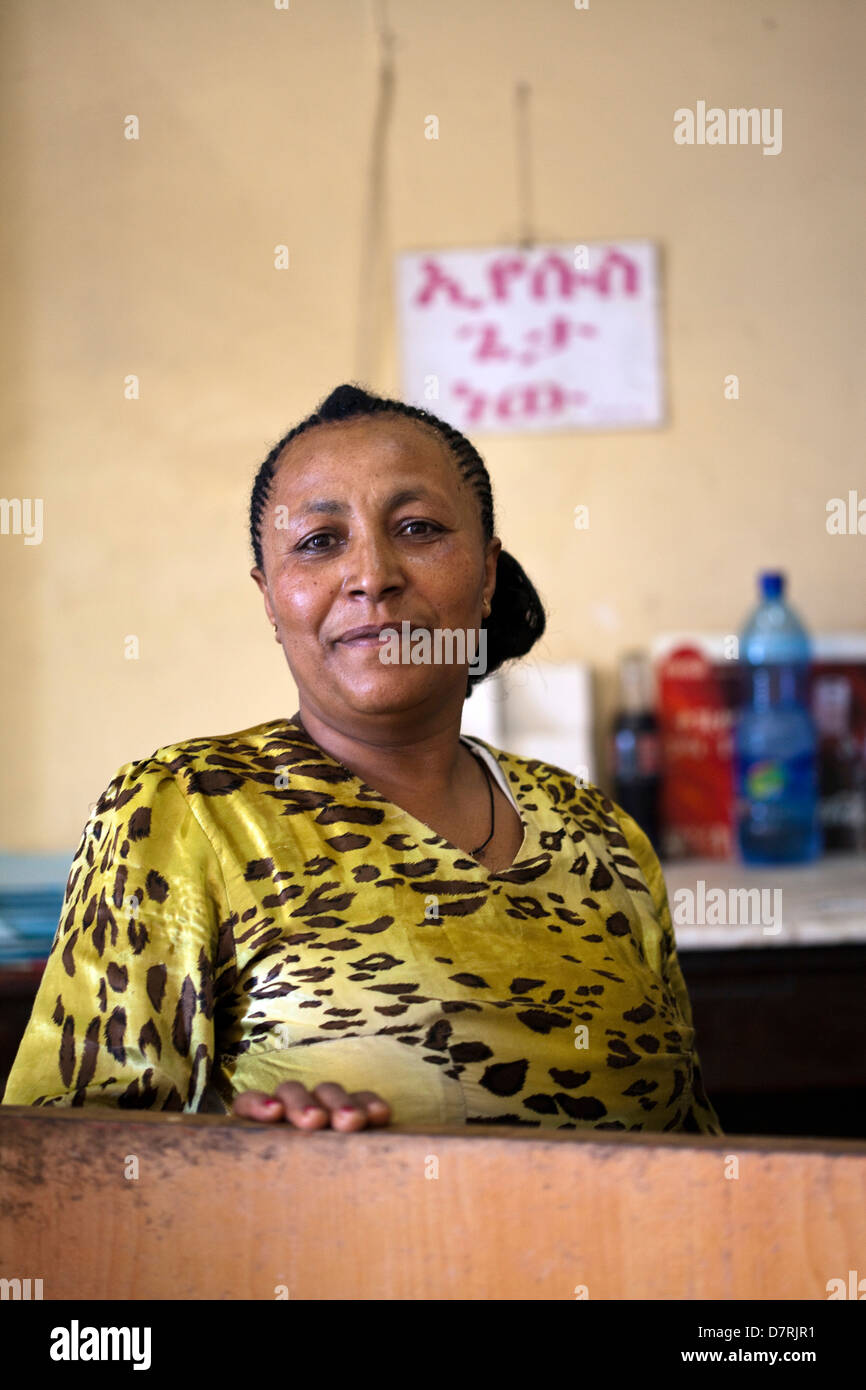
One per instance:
(820, 904)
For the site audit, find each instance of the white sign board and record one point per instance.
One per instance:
(557, 337)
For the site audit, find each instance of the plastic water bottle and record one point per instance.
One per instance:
(776, 739)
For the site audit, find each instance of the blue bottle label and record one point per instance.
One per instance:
(765, 781)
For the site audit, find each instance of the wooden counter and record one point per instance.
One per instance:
(223, 1209)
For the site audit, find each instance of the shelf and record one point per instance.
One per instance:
(819, 904)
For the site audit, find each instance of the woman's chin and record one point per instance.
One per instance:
(395, 691)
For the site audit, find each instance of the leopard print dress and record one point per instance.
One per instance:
(242, 911)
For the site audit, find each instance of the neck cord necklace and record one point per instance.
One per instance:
(474, 852)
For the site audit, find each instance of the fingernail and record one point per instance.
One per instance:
(347, 1110)
(312, 1110)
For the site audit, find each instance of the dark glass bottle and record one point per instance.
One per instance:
(635, 746)
(842, 805)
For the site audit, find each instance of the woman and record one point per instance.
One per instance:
(355, 916)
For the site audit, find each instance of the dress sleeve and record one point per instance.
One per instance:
(124, 1014)
(702, 1117)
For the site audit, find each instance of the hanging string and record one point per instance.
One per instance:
(525, 218)
(374, 293)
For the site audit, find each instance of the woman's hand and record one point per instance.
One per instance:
(327, 1105)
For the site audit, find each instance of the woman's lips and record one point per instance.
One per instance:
(376, 639)
(366, 639)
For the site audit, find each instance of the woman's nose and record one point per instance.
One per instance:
(372, 567)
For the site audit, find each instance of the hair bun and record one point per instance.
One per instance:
(345, 401)
(517, 618)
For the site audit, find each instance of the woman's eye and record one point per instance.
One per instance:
(319, 536)
(320, 542)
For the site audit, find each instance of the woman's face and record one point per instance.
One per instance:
(369, 522)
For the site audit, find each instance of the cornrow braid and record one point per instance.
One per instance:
(517, 618)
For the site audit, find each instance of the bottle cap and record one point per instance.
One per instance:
(635, 682)
(772, 583)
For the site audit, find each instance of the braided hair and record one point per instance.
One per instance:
(517, 617)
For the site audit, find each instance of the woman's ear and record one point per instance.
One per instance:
(491, 560)
(262, 584)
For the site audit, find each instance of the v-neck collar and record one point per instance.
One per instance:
(530, 862)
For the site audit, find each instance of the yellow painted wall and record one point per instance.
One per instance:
(155, 257)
